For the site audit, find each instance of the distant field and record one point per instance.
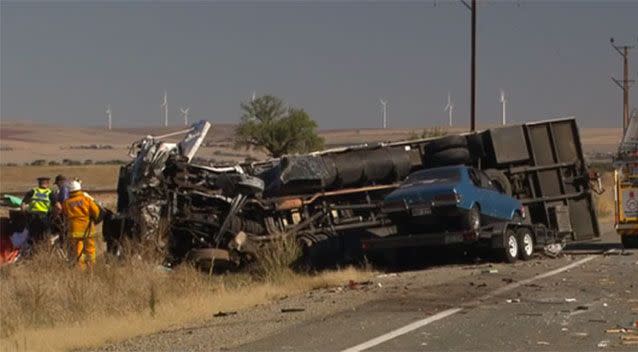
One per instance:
(22, 178)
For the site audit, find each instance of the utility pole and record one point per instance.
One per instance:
(472, 66)
(624, 83)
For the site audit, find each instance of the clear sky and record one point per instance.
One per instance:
(62, 62)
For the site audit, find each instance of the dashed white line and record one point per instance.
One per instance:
(446, 313)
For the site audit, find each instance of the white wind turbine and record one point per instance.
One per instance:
(384, 105)
(165, 109)
(184, 112)
(503, 101)
(254, 96)
(109, 116)
(449, 108)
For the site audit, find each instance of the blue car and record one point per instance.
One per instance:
(451, 197)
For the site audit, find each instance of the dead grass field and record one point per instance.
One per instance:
(605, 202)
(22, 178)
(25, 142)
(60, 308)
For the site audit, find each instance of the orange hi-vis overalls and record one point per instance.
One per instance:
(81, 212)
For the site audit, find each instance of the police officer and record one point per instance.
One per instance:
(38, 202)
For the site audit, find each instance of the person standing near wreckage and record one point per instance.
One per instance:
(38, 203)
(81, 213)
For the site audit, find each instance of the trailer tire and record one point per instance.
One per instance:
(629, 241)
(452, 156)
(525, 243)
(447, 142)
(499, 180)
(510, 246)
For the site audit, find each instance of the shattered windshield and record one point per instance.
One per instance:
(434, 176)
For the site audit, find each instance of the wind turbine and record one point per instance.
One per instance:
(449, 107)
(109, 117)
(384, 104)
(503, 101)
(254, 96)
(165, 108)
(184, 112)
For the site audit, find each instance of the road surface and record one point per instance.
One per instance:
(544, 304)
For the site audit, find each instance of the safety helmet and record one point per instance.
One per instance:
(74, 186)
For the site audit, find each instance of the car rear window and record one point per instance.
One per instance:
(434, 176)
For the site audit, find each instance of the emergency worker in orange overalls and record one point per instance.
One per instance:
(81, 213)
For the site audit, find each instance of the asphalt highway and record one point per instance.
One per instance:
(584, 301)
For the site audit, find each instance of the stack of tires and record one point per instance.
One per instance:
(448, 150)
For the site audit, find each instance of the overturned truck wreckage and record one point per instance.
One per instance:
(330, 201)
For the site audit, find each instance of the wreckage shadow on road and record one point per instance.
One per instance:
(408, 259)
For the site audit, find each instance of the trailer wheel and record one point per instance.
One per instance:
(447, 142)
(499, 180)
(629, 241)
(510, 247)
(526, 243)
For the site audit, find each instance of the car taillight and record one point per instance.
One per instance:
(451, 197)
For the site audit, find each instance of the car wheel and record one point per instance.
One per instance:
(629, 241)
(510, 247)
(525, 243)
(472, 219)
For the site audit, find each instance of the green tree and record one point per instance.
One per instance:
(269, 125)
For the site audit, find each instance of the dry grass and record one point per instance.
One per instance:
(605, 202)
(46, 305)
(23, 178)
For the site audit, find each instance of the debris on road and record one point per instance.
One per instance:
(531, 314)
(383, 276)
(603, 344)
(292, 310)
(542, 343)
(570, 300)
(490, 271)
(353, 285)
(224, 314)
(515, 300)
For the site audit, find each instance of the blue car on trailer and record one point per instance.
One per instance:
(458, 204)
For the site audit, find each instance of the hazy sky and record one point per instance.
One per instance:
(62, 62)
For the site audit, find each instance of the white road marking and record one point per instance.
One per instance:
(403, 330)
(537, 277)
(446, 313)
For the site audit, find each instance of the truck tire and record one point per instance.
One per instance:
(629, 241)
(525, 243)
(510, 246)
(452, 156)
(447, 142)
(472, 220)
(499, 180)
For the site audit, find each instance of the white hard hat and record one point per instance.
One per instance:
(75, 186)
